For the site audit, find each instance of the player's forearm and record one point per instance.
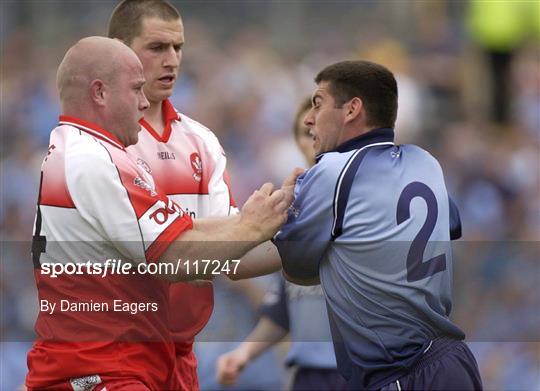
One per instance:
(229, 238)
(216, 225)
(219, 239)
(263, 259)
(265, 335)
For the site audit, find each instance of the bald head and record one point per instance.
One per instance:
(90, 59)
(101, 80)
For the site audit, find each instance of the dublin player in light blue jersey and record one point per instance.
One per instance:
(372, 221)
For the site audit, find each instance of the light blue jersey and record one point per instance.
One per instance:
(374, 221)
(302, 311)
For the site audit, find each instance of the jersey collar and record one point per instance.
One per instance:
(375, 136)
(92, 129)
(169, 115)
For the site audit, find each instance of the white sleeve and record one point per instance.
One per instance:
(138, 222)
(221, 200)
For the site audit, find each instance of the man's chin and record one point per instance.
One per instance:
(162, 94)
(133, 139)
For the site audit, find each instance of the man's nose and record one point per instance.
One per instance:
(143, 102)
(309, 119)
(172, 58)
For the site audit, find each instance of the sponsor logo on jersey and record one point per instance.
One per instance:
(190, 213)
(161, 215)
(196, 165)
(166, 155)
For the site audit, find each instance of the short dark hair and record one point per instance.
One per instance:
(126, 19)
(372, 83)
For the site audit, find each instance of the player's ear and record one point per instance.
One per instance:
(97, 92)
(354, 109)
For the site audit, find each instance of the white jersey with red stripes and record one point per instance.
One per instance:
(97, 202)
(188, 163)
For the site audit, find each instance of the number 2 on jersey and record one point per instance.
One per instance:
(416, 268)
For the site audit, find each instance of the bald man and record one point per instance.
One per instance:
(104, 232)
(105, 89)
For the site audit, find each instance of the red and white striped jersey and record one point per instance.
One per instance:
(97, 202)
(188, 163)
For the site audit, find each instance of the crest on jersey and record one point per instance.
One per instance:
(196, 165)
(294, 211)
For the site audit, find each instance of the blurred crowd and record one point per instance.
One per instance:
(469, 82)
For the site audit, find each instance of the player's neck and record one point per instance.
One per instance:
(154, 116)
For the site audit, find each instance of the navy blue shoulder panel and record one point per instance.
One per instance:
(343, 189)
(455, 220)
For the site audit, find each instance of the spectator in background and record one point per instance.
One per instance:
(500, 28)
(411, 116)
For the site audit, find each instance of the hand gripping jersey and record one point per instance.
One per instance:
(97, 203)
(189, 165)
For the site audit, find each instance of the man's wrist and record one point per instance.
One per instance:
(245, 352)
(249, 232)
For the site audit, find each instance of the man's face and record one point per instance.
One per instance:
(324, 120)
(159, 47)
(128, 102)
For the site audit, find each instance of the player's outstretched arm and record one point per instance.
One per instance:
(264, 259)
(265, 335)
(229, 238)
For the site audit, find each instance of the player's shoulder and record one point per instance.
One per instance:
(327, 169)
(192, 124)
(335, 159)
(419, 154)
(195, 128)
(82, 150)
(416, 149)
(332, 163)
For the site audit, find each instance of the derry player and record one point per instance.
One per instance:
(184, 157)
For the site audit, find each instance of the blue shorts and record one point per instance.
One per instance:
(447, 365)
(319, 379)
